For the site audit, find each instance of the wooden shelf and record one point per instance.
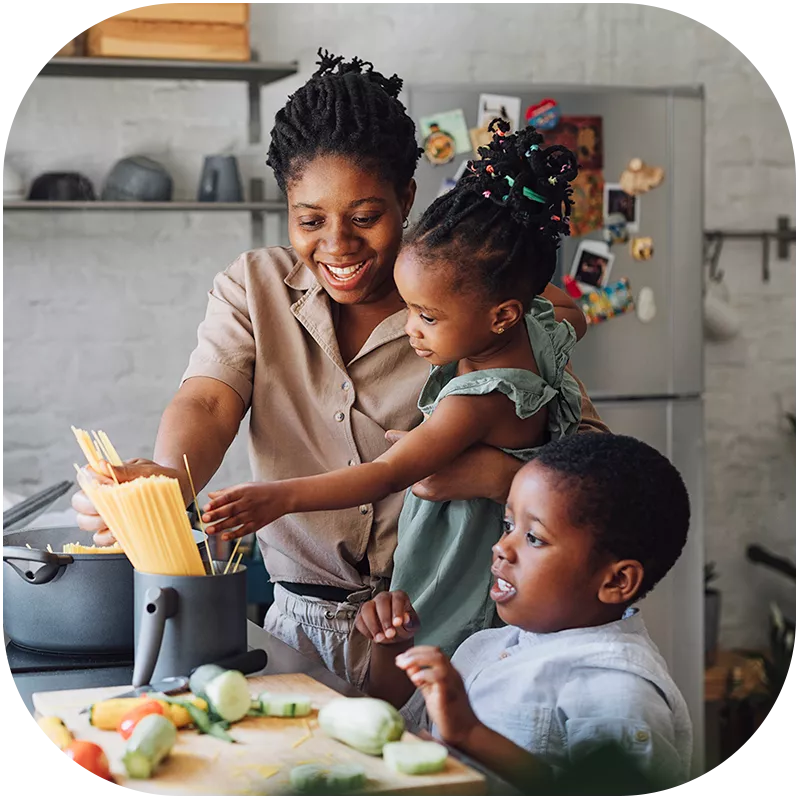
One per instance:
(109, 205)
(255, 72)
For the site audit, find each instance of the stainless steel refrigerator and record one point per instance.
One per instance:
(646, 379)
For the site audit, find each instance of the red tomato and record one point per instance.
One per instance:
(90, 756)
(131, 719)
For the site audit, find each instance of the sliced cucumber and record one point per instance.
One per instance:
(285, 705)
(201, 677)
(229, 695)
(415, 758)
(319, 779)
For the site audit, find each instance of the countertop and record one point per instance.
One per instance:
(282, 659)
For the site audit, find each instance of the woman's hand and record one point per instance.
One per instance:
(388, 619)
(88, 518)
(244, 509)
(430, 670)
(481, 471)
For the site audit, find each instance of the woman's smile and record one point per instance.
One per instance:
(346, 276)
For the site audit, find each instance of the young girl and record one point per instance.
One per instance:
(574, 670)
(471, 275)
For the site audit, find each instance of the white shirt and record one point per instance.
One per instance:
(561, 694)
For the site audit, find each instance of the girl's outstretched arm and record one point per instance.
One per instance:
(565, 308)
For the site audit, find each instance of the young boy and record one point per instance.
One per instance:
(592, 525)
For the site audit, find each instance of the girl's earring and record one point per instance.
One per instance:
(501, 329)
(405, 223)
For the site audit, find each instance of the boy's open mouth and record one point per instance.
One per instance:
(502, 591)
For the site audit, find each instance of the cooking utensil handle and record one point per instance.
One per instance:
(159, 606)
(246, 663)
(54, 563)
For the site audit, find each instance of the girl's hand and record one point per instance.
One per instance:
(388, 619)
(243, 509)
(430, 670)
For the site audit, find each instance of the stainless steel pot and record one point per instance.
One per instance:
(57, 603)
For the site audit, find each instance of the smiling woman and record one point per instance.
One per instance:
(310, 339)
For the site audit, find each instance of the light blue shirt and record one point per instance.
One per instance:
(561, 694)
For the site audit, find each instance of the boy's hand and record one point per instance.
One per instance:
(388, 619)
(244, 509)
(430, 670)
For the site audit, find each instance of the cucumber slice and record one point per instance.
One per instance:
(309, 779)
(319, 779)
(285, 705)
(229, 695)
(201, 677)
(415, 758)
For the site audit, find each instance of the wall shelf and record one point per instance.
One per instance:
(114, 205)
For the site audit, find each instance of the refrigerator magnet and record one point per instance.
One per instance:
(439, 146)
(445, 135)
(492, 106)
(617, 201)
(642, 248)
(591, 265)
(607, 302)
(646, 305)
(638, 177)
(615, 230)
(571, 287)
(543, 115)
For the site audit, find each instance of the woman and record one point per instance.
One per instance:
(310, 339)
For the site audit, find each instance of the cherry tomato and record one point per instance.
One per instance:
(131, 719)
(90, 756)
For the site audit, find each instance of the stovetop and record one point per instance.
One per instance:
(22, 661)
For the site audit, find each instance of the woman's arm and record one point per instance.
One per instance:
(565, 308)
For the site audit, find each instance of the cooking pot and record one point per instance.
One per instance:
(61, 186)
(66, 603)
(138, 178)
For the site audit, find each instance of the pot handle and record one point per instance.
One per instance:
(55, 563)
(159, 606)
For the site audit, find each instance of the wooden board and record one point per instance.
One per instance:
(191, 41)
(230, 13)
(266, 750)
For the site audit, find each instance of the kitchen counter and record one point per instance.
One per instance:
(282, 659)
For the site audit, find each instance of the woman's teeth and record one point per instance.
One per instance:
(344, 273)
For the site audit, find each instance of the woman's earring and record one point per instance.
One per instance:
(405, 223)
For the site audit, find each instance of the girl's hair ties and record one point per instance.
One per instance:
(529, 193)
(532, 149)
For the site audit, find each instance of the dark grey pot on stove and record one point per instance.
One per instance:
(182, 622)
(61, 603)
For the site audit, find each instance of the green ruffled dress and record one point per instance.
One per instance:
(444, 550)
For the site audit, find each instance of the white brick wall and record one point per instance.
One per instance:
(101, 309)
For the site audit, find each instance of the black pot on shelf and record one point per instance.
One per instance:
(138, 178)
(61, 187)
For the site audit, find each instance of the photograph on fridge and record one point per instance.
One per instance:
(591, 265)
(618, 201)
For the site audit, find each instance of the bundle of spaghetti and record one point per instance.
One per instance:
(148, 519)
(96, 448)
(82, 549)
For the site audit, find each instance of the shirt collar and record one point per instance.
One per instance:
(630, 622)
(301, 277)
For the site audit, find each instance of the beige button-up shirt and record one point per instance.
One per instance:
(269, 334)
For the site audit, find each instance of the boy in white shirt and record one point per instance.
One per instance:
(592, 524)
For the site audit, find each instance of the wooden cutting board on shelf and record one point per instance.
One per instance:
(266, 750)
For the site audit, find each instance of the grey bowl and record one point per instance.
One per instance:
(138, 178)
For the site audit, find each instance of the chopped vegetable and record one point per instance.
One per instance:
(56, 730)
(362, 722)
(203, 722)
(203, 676)
(319, 779)
(107, 714)
(415, 758)
(131, 719)
(229, 695)
(90, 756)
(285, 705)
(150, 743)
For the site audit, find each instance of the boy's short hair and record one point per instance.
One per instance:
(627, 494)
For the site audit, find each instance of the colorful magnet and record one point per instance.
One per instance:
(642, 248)
(587, 202)
(591, 265)
(606, 302)
(451, 123)
(571, 287)
(543, 115)
(646, 305)
(639, 178)
(491, 106)
(617, 200)
(582, 135)
(616, 229)
(439, 146)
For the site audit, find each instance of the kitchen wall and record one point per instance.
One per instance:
(101, 309)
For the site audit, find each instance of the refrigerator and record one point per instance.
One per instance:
(645, 378)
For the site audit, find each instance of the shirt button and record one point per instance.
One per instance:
(351, 462)
(642, 736)
(364, 509)
(504, 654)
(339, 417)
(346, 385)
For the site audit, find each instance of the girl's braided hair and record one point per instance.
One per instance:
(502, 222)
(346, 108)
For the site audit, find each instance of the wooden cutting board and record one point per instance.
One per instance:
(266, 750)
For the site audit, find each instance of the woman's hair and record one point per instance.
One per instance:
(346, 108)
(501, 224)
(628, 495)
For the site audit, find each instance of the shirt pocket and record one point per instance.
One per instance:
(530, 729)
